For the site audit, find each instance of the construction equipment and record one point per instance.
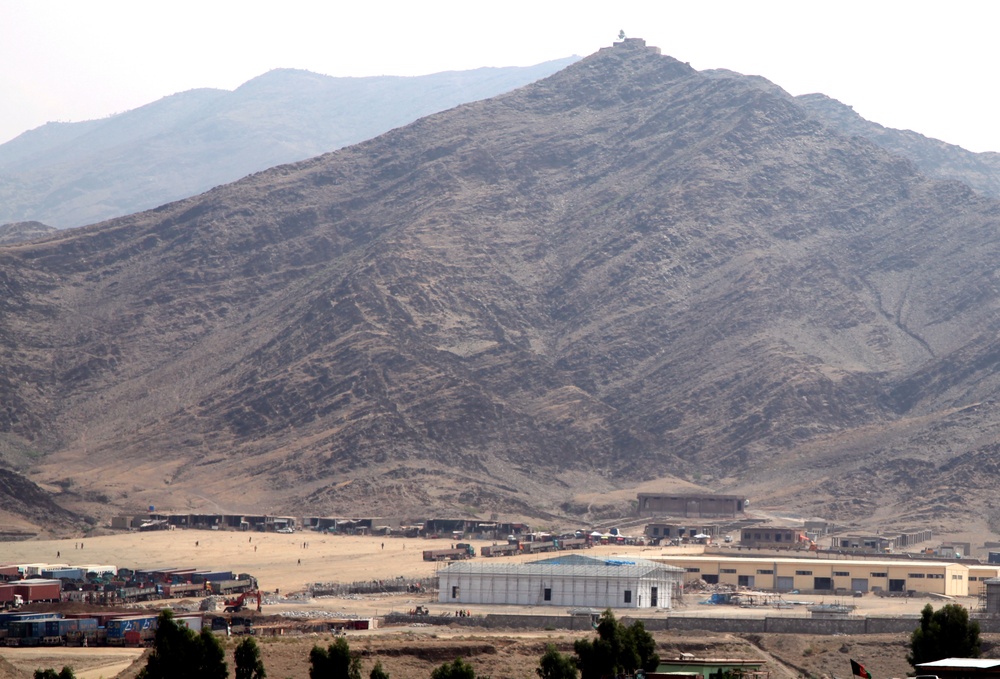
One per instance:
(239, 603)
(419, 610)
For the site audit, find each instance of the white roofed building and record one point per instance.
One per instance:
(570, 580)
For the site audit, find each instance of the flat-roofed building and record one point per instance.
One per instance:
(961, 668)
(826, 576)
(979, 574)
(566, 580)
(691, 505)
(780, 537)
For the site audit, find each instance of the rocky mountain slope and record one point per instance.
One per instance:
(629, 274)
(935, 158)
(17, 232)
(71, 174)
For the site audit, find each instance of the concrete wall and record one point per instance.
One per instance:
(774, 625)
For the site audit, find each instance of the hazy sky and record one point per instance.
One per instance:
(925, 66)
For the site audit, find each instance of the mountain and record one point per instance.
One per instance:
(628, 275)
(17, 232)
(935, 158)
(70, 174)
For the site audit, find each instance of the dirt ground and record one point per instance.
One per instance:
(290, 563)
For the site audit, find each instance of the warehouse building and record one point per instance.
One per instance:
(570, 580)
(835, 576)
(692, 505)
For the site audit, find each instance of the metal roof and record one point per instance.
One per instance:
(569, 565)
(972, 663)
(907, 563)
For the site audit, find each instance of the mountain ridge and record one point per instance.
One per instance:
(628, 273)
(71, 174)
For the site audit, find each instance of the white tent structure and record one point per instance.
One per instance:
(567, 580)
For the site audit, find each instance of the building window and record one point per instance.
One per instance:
(880, 575)
(777, 537)
(915, 575)
(727, 570)
(936, 576)
(756, 536)
(956, 576)
(656, 531)
(694, 570)
(454, 592)
(803, 572)
(972, 578)
(842, 574)
(764, 571)
(628, 596)
(548, 594)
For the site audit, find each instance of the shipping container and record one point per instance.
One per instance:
(117, 627)
(39, 590)
(7, 618)
(192, 622)
(212, 576)
(7, 593)
(65, 574)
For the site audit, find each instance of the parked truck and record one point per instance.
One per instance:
(500, 550)
(460, 551)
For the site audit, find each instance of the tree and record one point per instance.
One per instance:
(617, 650)
(248, 662)
(555, 665)
(334, 662)
(378, 672)
(944, 633)
(179, 652)
(459, 669)
(66, 673)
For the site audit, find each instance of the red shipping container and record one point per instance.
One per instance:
(7, 593)
(39, 590)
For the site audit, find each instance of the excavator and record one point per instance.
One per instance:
(239, 603)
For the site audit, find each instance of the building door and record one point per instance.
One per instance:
(859, 584)
(786, 583)
(823, 584)
(653, 597)
(897, 585)
(744, 580)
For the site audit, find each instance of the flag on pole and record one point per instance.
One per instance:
(858, 670)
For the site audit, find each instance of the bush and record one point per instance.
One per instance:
(179, 652)
(945, 633)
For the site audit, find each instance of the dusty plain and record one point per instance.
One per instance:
(289, 563)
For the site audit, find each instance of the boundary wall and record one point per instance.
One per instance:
(766, 625)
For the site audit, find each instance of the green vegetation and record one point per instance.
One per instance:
(248, 662)
(555, 665)
(459, 669)
(334, 662)
(66, 673)
(617, 650)
(945, 633)
(179, 652)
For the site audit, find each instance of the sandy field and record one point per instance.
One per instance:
(289, 563)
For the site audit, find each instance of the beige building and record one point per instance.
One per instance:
(691, 505)
(778, 537)
(834, 575)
